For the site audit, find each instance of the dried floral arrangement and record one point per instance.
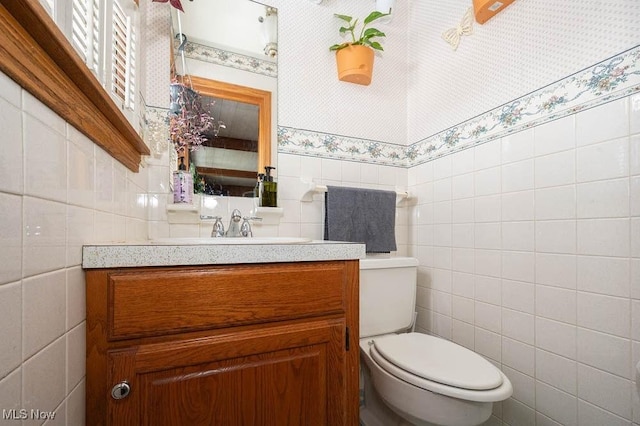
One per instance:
(188, 120)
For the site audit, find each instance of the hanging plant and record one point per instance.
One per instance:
(188, 120)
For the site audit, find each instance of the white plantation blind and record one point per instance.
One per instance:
(123, 54)
(86, 31)
(49, 6)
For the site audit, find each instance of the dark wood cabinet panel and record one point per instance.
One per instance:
(282, 370)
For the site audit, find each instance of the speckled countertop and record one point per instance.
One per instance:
(148, 253)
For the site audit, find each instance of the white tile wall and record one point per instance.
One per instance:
(545, 247)
(57, 191)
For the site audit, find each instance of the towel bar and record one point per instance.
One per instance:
(313, 188)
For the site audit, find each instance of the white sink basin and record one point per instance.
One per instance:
(225, 240)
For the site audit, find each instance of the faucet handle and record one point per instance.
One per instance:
(218, 227)
(245, 228)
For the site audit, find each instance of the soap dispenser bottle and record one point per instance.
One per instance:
(269, 189)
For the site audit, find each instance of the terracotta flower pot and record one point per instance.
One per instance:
(355, 64)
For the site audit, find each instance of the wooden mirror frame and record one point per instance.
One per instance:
(247, 95)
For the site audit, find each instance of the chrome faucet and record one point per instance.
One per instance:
(245, 228)
(234, 225)
(218, 227)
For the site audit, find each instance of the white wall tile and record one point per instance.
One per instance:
(518, 266)
(487, 344)
(556, 269)
(518, 356)
(11, 387)
(38, 110)
(463, 309)
(75, 296)
(488, 262)
(516, 413)
(518, 206)
(635, 278)
(635, 237)
(589, 128)
(488, 317)
(556, 404)
(44, 311)
(442, 257)
(487, 181)
(463, 260)
(604, 237)
(463, 334)
(604, 390)
(556, 337)
(542, 420)
(487, 235)
(10, 328)
(557, 371)
(604, 313)
(442, 167)
(76, 405)
(609, 198)
(11, 232)
(332, 170)
(524, 389)
(442, 212)
(634, 103)
(606, 160)
(634, 191)
(518, 236)
(634, 166)
(518, 326)
(80, 226)
(442, 235)
(487, 155)
(76, 355)
(555, 136)
(605, 352)
(81, 170)
(518, 176)
(44, 236)
(488, 290)
(555, 169)
(45, 155)
(519, 296)
(462, 211)
(10, 90)
(556, 203)
(463, 284)
(556, 303)
(518, 146)
(463, 235)
(442, 190)
(11, 161)
(590, 415)
(605, 275)
(487, 209)
(462, 162)
(43, 378)
(462, 186)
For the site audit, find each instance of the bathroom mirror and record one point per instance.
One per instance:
(239, 143)
(220, 35)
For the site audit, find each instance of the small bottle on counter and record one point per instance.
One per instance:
(269, 189)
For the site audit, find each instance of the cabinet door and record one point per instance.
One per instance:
(276, 375)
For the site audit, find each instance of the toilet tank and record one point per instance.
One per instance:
(387, 294)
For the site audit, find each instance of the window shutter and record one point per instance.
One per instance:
(86, 33)
(123, 53)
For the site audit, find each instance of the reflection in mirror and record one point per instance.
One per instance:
(230, 57)
(239, 144)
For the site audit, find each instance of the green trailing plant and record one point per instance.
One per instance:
(366, 34)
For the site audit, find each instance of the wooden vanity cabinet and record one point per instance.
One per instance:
(252, 344)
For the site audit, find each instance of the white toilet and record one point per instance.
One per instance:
(414, 378)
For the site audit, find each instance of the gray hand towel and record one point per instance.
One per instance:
(362, 216)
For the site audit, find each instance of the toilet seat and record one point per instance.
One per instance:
(440, 366)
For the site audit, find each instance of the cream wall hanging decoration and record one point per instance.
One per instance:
(465, 27)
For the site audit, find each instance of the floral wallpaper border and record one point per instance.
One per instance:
(611, 79)
(227, 58)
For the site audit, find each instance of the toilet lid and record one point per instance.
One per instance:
(439, 360)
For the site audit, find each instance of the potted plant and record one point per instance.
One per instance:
(355, 57)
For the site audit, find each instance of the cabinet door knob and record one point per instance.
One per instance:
(121, 390)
